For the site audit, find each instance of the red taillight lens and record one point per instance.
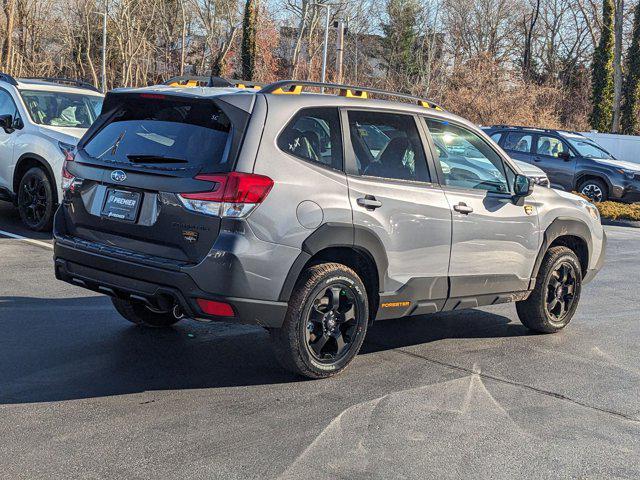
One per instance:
(234, 188)
(219, 309)
(231, 195)
(67, 178)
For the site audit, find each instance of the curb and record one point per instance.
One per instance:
(620, 223)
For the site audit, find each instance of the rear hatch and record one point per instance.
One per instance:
(144, 150)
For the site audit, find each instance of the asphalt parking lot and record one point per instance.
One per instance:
(460, 395)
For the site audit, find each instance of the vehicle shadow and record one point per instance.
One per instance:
(74, 348)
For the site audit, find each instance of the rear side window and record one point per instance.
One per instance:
(387, 145)
(518, 142)
(189, 133)
(314, 135)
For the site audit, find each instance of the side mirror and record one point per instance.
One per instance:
(6, 122)
(566, 156)
(523, 186)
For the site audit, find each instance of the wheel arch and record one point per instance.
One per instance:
(28, 161)
(356, 247)
(571, 233)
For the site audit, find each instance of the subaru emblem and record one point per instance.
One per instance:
(118, 176)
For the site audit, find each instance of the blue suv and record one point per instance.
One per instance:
(572, 162)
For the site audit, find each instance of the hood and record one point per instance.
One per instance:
(63, 134)
(528, 169)
(618, 164)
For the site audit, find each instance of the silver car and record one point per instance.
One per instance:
(312, 215)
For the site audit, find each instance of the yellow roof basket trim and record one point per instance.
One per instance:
(254, 87)
(425, 104)
(190, 83)
(292, 90)
(348, 93)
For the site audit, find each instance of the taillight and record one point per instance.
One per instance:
(231, 195)
(69, 156)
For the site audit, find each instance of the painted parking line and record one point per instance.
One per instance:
(26, 239)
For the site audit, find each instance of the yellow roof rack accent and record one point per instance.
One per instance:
(295, 87)
(201, 81)
(349, 93)
(290, 90)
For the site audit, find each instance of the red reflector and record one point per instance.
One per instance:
(158, 96)
(234, 188)
(218, 309)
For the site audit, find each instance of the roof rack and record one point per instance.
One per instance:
(65, 81)
(5, 77)
(295, 87)
(536, 129)
(203, 81)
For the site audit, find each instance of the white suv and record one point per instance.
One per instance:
(41, 119)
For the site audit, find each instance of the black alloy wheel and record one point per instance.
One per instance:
(561, 291)
(35, 200)
(332, 323)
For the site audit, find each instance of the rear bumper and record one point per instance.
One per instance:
(158, 287)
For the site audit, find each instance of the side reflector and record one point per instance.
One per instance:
(219, 309)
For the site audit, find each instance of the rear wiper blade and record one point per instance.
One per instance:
(141, 158)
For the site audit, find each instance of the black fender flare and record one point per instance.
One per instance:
(44, 164)
(560, 227)
(335, 234)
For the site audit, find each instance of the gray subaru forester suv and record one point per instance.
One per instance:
(312, 215)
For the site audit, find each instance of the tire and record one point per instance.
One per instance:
(325, 324)
(140, 315)
(595, 189)
(554, 300)
(36, 203)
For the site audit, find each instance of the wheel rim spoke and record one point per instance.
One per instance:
(319, 344)
(334, 295)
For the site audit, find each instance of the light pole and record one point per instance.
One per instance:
(326, 40)
(104, 49)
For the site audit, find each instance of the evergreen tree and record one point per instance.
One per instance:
(631, 92)
(602, 74)
(400, 40)
(248, 49)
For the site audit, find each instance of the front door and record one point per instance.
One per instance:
(7, 141)
(393, 197)
(494, 241)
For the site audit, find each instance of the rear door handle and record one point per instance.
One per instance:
(369, 202)
(463, 208)
(537, 159)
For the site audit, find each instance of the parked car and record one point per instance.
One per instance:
(279, 208)
(572, 161)
(41, 120)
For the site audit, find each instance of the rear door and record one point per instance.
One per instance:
(519, 145)
(393, 196)
(494, 241)
(548, 152)
(143, 151)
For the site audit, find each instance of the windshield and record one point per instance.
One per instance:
(153, 131)
(589, 149)
(61, 109)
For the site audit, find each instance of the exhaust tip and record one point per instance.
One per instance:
(177, 312)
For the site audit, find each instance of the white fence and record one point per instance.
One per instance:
(623, 147)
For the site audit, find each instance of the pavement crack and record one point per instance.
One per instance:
(541, 391)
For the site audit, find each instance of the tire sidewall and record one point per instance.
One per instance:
(45, 223)
(299, 315)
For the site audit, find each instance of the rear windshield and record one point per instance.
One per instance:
(164, 131)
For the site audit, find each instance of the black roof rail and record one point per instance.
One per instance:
(5, 77)
(65, 81)
(536, 129)
(204, 81)
(350, 91)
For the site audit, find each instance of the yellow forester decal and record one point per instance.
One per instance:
(395, 304)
